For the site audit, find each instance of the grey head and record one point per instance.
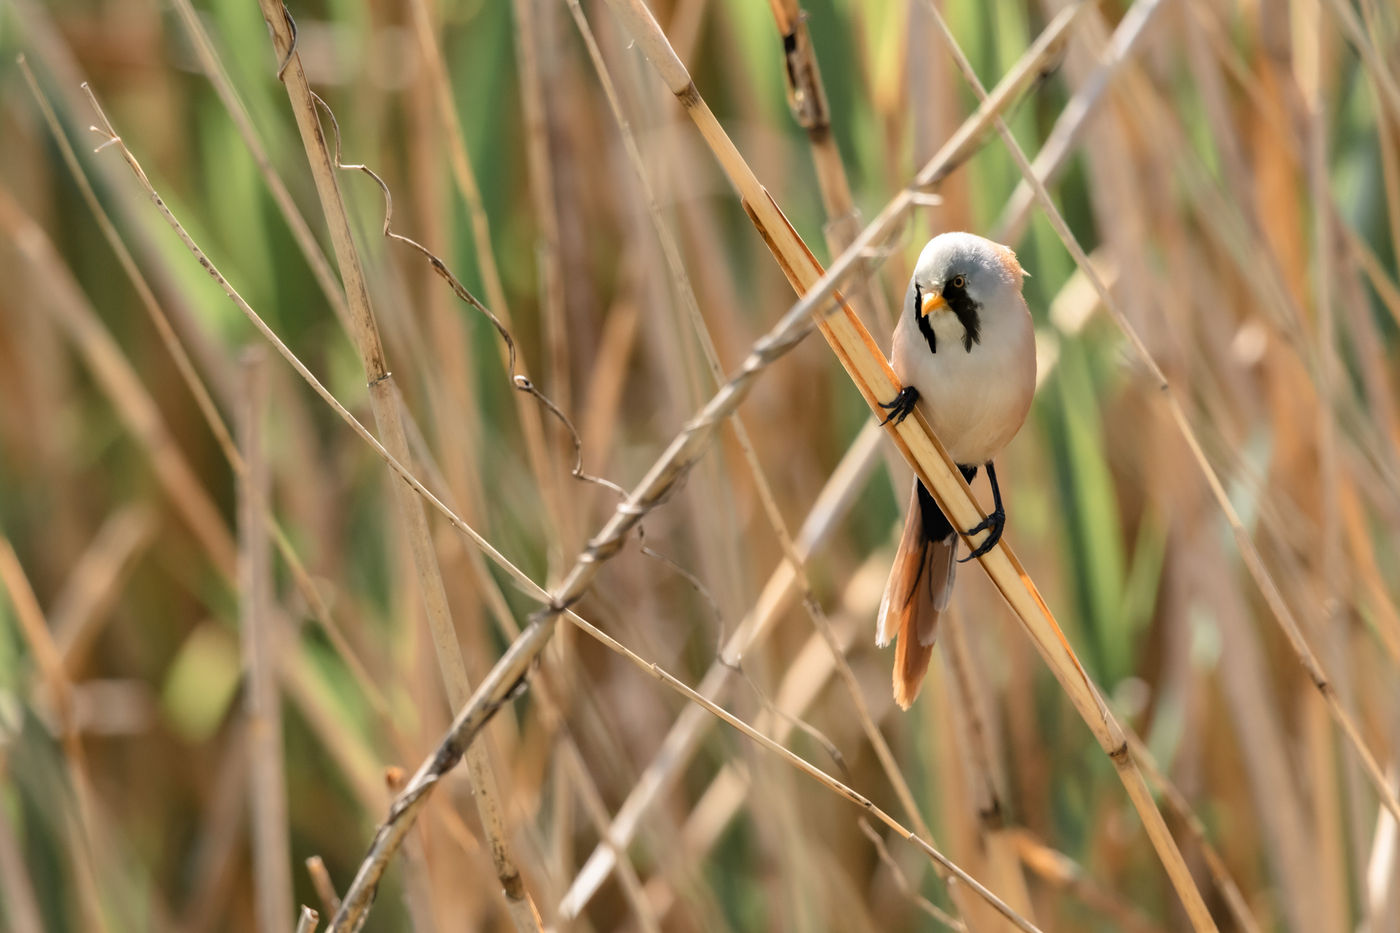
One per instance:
(961, 281)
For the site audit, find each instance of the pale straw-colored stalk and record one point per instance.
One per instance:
(684, 736)
(385, 405)
(867, 366)
(267, 790)
(321, 881)
(306, 922)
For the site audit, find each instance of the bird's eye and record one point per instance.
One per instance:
(959, 281)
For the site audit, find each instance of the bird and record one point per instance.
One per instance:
(964, 350)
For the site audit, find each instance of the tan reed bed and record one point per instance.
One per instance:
(1233, 183)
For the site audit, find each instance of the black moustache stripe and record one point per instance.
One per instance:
(963, 308)
(922, 321)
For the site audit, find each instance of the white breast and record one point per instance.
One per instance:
(975, 400)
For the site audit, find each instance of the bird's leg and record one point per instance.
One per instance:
(901, 405)
(992, 524)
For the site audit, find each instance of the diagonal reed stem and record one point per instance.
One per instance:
(671, 251)
(873, 376)
(684, 737)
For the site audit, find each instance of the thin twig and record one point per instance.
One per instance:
(518, 379)
(902, 882)
(321, 881)
(306, 923)
(464, 177)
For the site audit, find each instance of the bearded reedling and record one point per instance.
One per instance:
(964, 348)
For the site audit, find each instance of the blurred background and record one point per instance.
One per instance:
(215, 667)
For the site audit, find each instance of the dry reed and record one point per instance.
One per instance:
(1208, 490)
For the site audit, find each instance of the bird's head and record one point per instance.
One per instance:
(963, 282)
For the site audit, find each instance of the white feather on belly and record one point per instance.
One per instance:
(975, 400)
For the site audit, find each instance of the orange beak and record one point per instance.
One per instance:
(933, 301)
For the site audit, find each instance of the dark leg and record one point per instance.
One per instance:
(936, 524)
(901, 405)
(993, 524)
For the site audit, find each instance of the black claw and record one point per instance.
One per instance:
(993, 524)
(901, 405)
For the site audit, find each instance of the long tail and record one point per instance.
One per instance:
(918, 590)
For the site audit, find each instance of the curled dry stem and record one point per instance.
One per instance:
(518, 379)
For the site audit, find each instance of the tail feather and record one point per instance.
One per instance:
(910, 665)
(904, 575)
(918, 591)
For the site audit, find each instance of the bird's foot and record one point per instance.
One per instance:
(901, 405)
(993, 524)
